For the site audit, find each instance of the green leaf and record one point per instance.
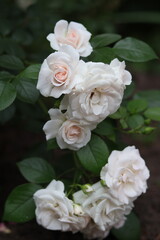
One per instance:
(153, 113)
(52, 144)
(22, 36)
(7, 114)
(106, 128)
(11, 62)
(135, 121)
(151, 96)
(137, 105)
(134, 50)
(5, 76)
(105, 39)
(7, 94)
(105, 55)
(12, 48)
(121, 113)
(26, 89)
(20, 206)
(130, 230)
(94, 155)
(115, 115)
(129, 90)
(31, 72)
(36, 170)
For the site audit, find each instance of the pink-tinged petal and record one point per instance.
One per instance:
(87, 50)
(53, 41)
(71, 52)
(55, 113)
(44, 84)
(56, 92)
(75, 25)
(51, 128)
(61, 28)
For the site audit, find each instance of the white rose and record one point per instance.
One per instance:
(105, 210)
(68, 133)
(97, 96)
(74, 34)
(55, 211)
(120, 72)
(57, 75)
(125, 174)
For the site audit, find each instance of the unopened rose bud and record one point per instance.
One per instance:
(87, 188)
(77, 209)
(103, 183)
(148, 130)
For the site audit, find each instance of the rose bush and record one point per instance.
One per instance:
(90, 97)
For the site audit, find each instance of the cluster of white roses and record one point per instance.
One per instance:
(96, 209)
(92, 90)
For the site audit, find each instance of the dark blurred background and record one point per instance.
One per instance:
(27, 22)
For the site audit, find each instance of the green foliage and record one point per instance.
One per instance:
(9, 46)
(94, 155)
(26, 89)
(153, 113)
(22, 36)
(52, 144)
(11, 62)
(130, 230)
(5, 76)
(25, 84)
(105, 39)
(7, 94)
(134, 50)
(151, 96)
(121, 113)
(104, 54)
(31, 72)
(20, 206)
(135, 121)
(129, 90)
(36, 170)
(106, 128)
(137, 105)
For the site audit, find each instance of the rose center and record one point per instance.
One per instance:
(73, 132)
(72, 38)
(60, 75)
